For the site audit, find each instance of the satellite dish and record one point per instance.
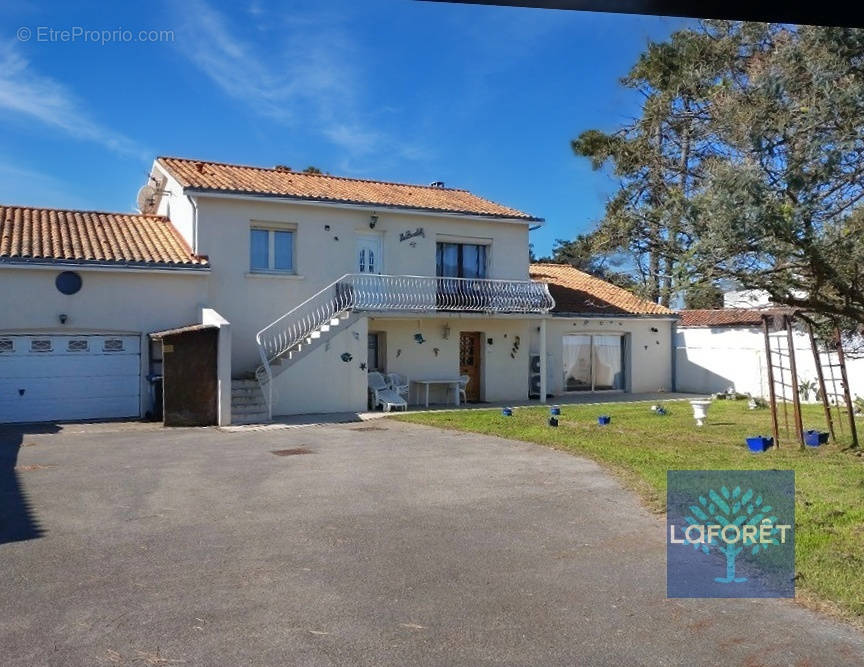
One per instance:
(147, 199)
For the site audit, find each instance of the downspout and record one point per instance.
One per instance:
(194, 223)
(674, 330)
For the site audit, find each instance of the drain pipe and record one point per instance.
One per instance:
(673, 328)
(194, 204)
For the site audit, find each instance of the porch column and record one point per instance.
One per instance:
(543, 360)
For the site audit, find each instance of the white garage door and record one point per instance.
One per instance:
(48, 378)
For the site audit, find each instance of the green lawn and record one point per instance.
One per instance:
(641, 446)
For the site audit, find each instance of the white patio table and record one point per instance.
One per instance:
(453, 384)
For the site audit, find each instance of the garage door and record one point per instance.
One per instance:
(49, 378)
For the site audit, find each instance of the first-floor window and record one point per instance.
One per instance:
(271, 250)
(460, 260)
(593, 362)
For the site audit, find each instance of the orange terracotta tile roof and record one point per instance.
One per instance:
(720, 317)
(205, 176)
(575, 291)
(41, 235)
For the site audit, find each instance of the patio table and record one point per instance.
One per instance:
(454, 384)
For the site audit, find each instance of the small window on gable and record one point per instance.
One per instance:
(7, 345)
(271, 250)
(40, 345)
(78, 345)
(112, 345)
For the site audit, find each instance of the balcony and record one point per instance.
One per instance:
(426, 294)
(361, 293)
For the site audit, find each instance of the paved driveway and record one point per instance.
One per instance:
(386, 544)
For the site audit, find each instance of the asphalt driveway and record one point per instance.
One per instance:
(386, 543)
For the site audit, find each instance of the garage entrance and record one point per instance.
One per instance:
(66, 377)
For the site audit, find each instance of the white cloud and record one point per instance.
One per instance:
(307, 74)
(36, 97)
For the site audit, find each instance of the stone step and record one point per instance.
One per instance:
(245, 391)
(243, 410)
(240, 401)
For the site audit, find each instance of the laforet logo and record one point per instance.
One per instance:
(730, 533)
(739, 522)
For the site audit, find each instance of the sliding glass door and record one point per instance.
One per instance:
(577, 363)
(593, 362)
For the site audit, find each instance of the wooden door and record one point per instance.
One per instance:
(469, 362)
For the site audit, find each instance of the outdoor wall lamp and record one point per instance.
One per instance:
(62, 317)
(373, 220)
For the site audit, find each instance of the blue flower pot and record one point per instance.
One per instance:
(759, 443)
(815, 438)
(603, 420)
(507, 412)
(555, 410)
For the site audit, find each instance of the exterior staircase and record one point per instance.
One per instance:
(248, 404)
(334, 308)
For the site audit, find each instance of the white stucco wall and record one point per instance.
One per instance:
(711, 360)
(503, 378)
(134, 302)
(322, 381)
(650, 352)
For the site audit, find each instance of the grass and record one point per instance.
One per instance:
(641, 446)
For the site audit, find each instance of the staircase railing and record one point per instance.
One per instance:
(376, 293)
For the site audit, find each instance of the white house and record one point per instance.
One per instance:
(311, 280)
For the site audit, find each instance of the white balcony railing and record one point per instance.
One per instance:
(392, 294)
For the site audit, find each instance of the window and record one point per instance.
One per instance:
(375, 353)
(461, 260)
(593, 362)
(78, 345)
(40, 345)
(271, 250)
(7, 345)
(112, 345)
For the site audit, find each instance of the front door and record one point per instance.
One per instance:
(469, 362)
(368, 254)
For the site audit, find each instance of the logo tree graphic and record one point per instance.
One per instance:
(725, 509)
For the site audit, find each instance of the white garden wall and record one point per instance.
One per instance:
(710, 360)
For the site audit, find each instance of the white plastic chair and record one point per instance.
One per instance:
(383, 395)
(461, 387)
(398, 383)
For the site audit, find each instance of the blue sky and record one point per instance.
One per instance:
(484, 98)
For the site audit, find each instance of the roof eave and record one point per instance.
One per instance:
(656, 316)
(47, 262)
(241, 194)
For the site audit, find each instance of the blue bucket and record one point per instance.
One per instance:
(507, 412)
(815, 438)
(759, 443)
(603, 420)
(555, 410)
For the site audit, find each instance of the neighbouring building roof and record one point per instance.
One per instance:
(205, 176)
(39, 235)
(578, 292)
(722, 317)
